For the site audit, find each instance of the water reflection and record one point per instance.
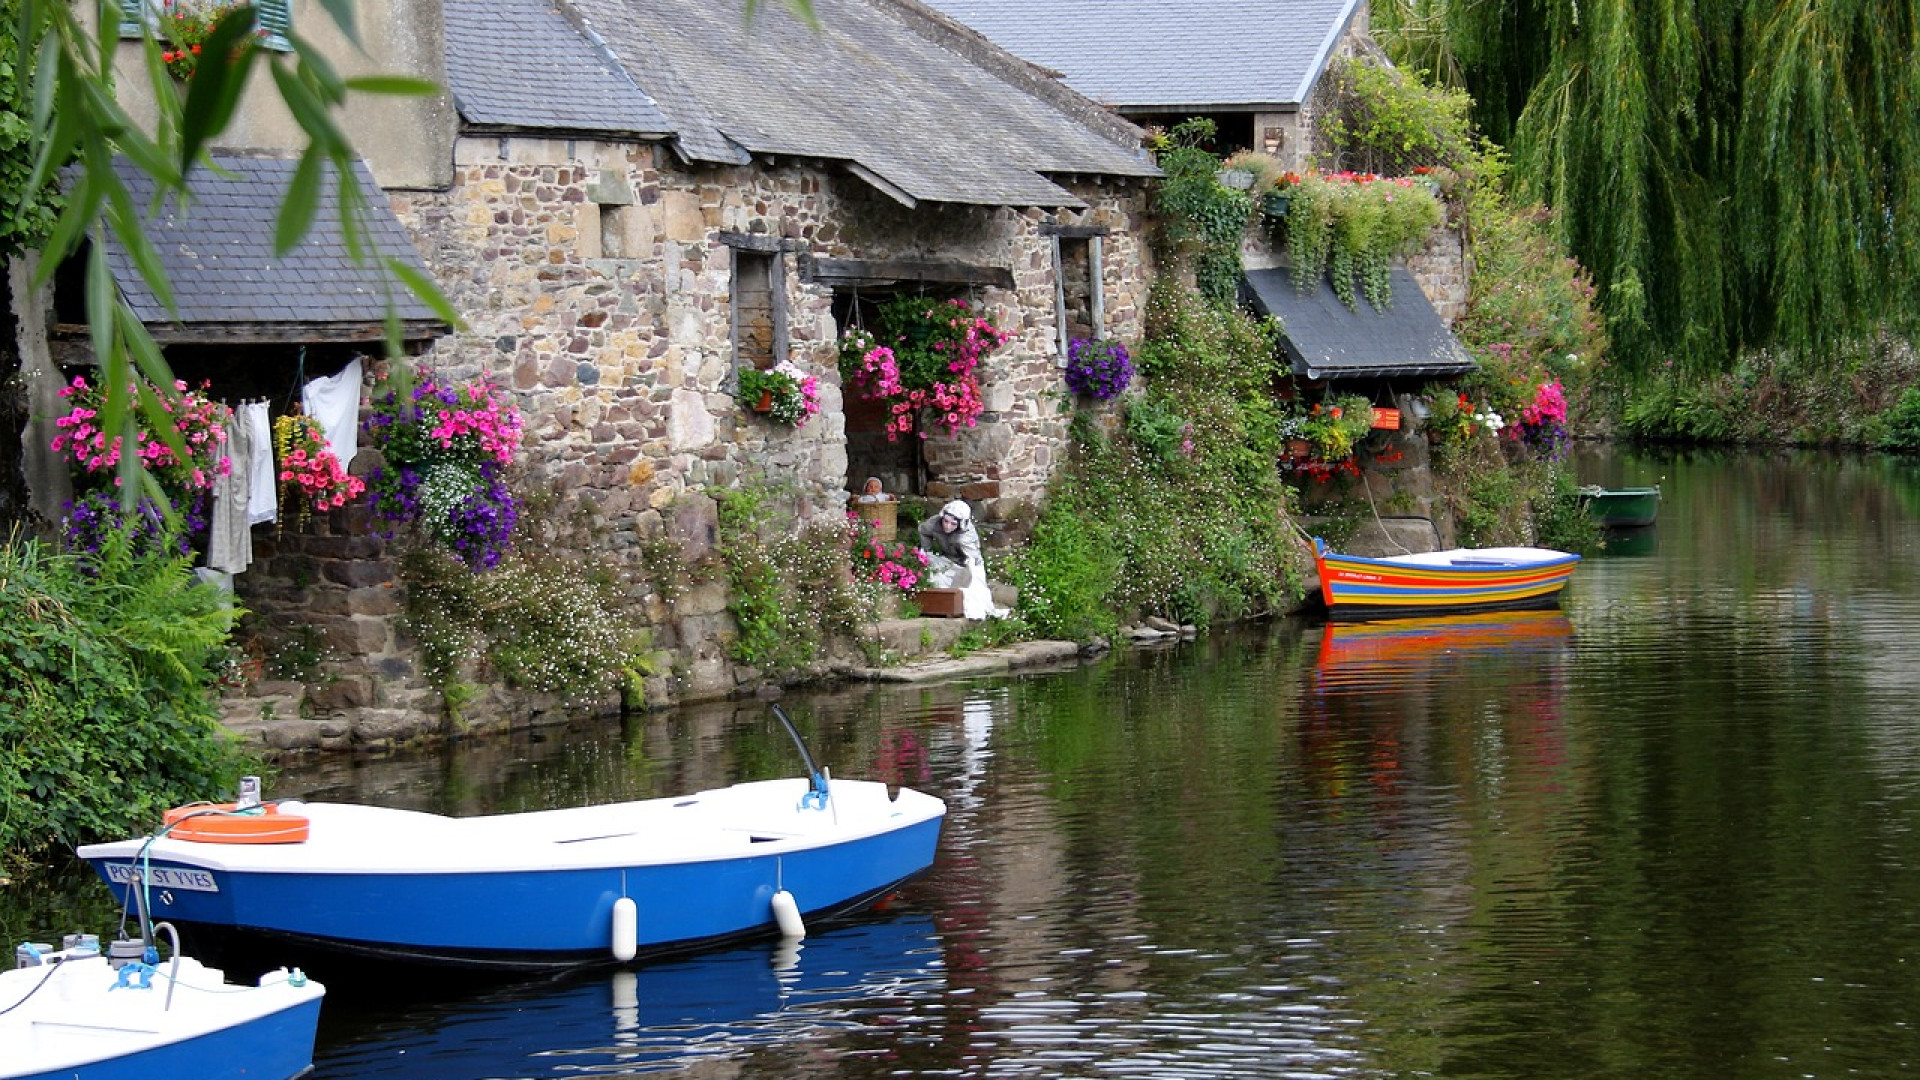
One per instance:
(687, 1014)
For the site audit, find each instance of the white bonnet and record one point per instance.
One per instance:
(959, 511)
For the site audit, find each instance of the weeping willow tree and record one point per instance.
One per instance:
(1734, 175)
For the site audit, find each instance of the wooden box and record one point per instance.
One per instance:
(940, 603)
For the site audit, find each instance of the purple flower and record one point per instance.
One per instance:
(1099, 369)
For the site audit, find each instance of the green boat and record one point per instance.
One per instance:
(1621, 508)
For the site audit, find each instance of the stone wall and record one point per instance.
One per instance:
(595, 281)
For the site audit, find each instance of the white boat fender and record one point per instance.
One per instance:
(626, 929)
(786, 914)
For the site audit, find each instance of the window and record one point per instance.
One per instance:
(274, 18)
(1078, 298)
(759, 308)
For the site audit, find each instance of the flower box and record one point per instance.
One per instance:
(940, 603)
(1386, 419)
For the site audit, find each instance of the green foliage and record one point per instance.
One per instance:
(26, 212)
(1388, 122)
(1488, 500)
(1194, 536)
(1735, 176)
(1530, 312)
(1156, 427)
(1067, 569)
(791, 595)
(547, 618)
(1335, 428)
(1560, 518)
(1204, 219)
(1901, 431)
(1350, 227)
(106, 711)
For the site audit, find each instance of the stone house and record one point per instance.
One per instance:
(647, 198)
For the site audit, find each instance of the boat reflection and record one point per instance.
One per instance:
(1630, 543)
(660, 1017)
(1390, 653)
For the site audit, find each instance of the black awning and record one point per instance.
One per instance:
(230, 286)
(1326, 339)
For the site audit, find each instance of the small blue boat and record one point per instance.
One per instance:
(74, 1014)
(545, 889)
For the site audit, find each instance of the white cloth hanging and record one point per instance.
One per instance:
(229, 533)
(334, 404)
(263, 499)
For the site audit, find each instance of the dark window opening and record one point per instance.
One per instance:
(900, 464)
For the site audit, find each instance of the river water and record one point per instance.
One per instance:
(1672, 830)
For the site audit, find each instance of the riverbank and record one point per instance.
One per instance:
(277, 720)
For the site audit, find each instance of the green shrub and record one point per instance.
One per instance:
(107, 715)
(1204, 220)
(1901, 431)
(1560, 518)
(547, 618)
(790, 595)
(1185, 521)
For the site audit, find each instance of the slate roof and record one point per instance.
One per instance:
(1326, 339)
(1150, 56)
(218, 255)
(524, 64)
(923, 109)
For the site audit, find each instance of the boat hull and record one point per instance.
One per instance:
(93, 1029)
(531, 891)
(1622, 508)
(1441, 583)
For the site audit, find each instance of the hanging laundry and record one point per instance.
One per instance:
(334, 403)
(230, 533)
(263, 498)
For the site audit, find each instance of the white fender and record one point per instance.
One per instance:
(786, 913)
(626, 929)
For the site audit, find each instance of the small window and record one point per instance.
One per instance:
(759, 309)
(273, 18)
(1077, 290)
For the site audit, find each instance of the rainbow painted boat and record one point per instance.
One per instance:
(1441, 582)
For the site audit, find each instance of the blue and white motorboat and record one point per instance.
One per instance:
(543, 889)
(75, 1014)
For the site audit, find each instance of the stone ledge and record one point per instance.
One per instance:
(985, 662)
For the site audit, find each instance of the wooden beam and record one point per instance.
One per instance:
(1075, 232)
(832, 272)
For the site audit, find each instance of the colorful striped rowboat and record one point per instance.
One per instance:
(1441, 582)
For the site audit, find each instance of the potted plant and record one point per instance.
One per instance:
(922, 359)
(1333, 428)
(446, 450)
(783, 392)
(186, 25)
(1099, 369)
(1349, 226)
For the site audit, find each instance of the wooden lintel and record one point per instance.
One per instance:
(1075, 232)
(893, 271)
